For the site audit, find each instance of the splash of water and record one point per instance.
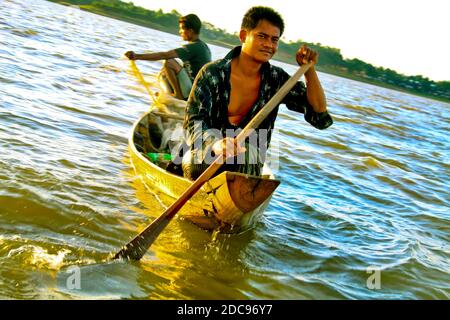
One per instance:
(40, 257)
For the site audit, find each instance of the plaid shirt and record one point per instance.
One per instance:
(209, 99)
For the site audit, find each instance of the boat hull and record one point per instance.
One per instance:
(230, 201)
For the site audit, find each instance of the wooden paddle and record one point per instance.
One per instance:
(137, 247)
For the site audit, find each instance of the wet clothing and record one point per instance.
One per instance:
(207, 108)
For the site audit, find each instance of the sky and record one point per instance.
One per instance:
(408, 36)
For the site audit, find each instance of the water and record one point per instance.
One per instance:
(369, 192)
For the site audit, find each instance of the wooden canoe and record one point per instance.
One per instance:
(231, 201)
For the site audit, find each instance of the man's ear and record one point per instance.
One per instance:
(242, 35)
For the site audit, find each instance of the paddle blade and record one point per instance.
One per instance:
(137, 247)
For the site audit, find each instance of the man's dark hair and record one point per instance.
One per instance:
(258, 13)
(191, 21)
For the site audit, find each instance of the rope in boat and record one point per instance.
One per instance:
(141, 79)
(156, 101)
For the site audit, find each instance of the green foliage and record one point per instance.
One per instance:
(331, 59)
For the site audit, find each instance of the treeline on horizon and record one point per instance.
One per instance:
(331, 59)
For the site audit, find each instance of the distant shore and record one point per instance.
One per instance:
(281, 55)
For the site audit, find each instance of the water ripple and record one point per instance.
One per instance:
(370, 191)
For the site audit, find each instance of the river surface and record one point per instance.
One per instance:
(362, 211)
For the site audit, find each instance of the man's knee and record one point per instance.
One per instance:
(172, 65)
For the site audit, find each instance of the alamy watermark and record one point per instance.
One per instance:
(73, 281)
(198, 144)
(374, 280)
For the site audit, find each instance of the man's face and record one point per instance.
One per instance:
(261, 43)
(186, 34)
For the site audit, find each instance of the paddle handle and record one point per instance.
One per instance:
(137, 247)
(253, 124)
(273, 102)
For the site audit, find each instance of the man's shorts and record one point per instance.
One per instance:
(185, 82)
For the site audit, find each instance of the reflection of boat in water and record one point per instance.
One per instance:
(230, 201)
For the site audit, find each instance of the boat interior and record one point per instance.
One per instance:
(159, 135)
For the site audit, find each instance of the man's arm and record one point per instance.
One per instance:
(314, 90)
(196, 113)
(197, 122)
(309, 99)
(154, 56)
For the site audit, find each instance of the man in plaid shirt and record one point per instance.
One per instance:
(227, 94)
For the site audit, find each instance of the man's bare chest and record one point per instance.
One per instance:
(243, 95)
